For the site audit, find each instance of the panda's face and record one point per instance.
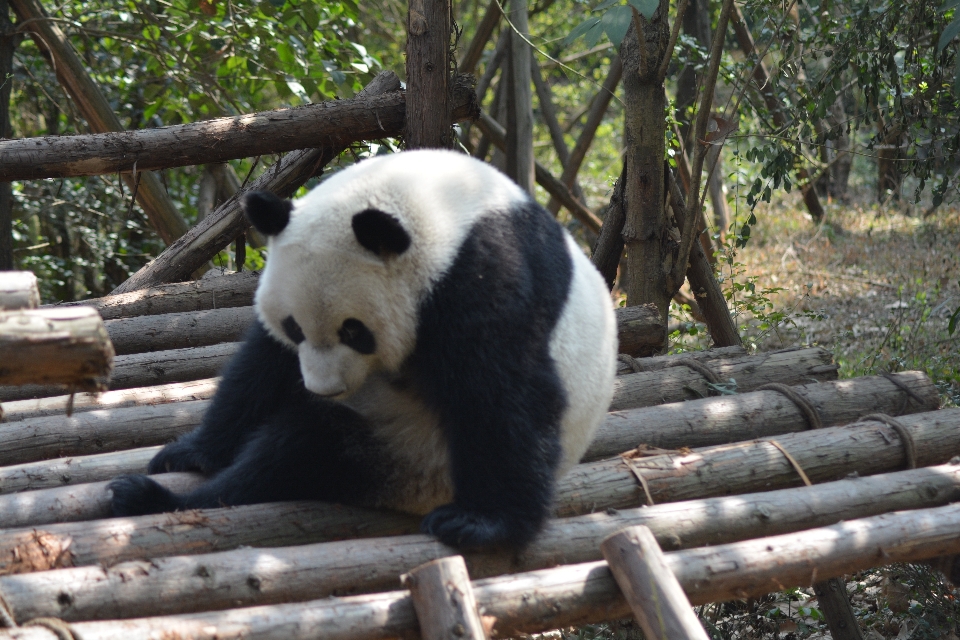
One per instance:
(350, 263)
(338, 303)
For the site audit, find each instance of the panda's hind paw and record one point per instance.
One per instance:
(138, 495)
(466, 530)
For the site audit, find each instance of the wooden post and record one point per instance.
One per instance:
(151, 194)
(649, 587)
(428, 75)
(55, 346)
(443, 599)
(837, 611)
(520, 161)
(18, 289)
(9, 38)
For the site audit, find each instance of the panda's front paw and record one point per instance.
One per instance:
(464, 529)
(180, 455)
(138, 495)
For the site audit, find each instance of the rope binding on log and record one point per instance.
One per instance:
(806, 407)
(793, 463)
(58, 627)
(909, 445)
(691, 363)
(911, 394)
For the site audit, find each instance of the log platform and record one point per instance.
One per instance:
(787, 473)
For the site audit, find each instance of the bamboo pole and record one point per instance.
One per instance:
(55, 346)
(18, 290)
(574, 595)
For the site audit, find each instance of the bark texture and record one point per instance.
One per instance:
(18, 289)
(574, 595)
(249, 577)
(428, 122)
(179, 330)
(55, 346)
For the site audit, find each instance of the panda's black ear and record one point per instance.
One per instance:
(266, 212)
(380, 232)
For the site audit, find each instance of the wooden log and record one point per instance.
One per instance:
(18, 290)
(649, 586)
(337, 123)
(640, 330)
(231, 290)
(723, 419)
(573, 595)
(179, 330)
(203, 389)
(140, 396)
(184, 584)
(443, 598)
(867, 448)
(826, 454)
(55, 346)
(220, 228)
(491, 17)
(96, 110)
(221, 580)
(706, 422)
(68, 472)
(97, 431)
(717, 421)
(118, 539)
(145, 369)
(667, 382)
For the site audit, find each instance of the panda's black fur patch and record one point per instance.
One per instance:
(481, 363)
(266, 212)
(380, 232)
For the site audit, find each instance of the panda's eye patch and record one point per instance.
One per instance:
(293, 330)
(355, 335)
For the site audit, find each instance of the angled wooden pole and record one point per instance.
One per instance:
(92, 104)
(520, 163)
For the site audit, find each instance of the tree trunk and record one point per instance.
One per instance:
(646, 231)
(8, 43)
(428, 123)
(519, 122)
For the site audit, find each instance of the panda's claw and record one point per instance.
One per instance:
(138, 495)
(465, 529)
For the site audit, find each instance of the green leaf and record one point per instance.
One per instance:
(615, 23)
(581, 29)
(949, 33)
(949, 4)
(606, 4)
(646, 7)
(954, 320)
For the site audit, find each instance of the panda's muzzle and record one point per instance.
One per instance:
(331, 372)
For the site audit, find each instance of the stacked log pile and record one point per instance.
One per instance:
(714, 448)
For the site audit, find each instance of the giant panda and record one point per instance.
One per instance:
(428, 339)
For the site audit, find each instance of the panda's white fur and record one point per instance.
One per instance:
(410, 448)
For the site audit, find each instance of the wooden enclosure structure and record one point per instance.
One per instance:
(713, 448)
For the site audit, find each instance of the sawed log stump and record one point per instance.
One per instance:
(443, 599)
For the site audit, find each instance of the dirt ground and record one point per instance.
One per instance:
(875, 285)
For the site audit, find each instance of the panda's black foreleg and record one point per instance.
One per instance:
(262, 376)
(503, 460)
(313, 450)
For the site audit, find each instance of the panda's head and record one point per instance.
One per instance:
(350, 263)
